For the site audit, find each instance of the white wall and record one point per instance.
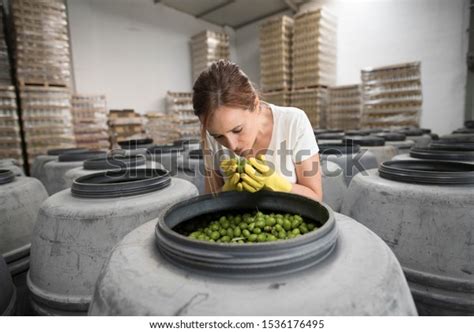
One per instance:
(132, 51)
(381, 32)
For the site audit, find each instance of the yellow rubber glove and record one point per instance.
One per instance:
(232, 183)
(268, 177)
(229, 166)
(251, 181)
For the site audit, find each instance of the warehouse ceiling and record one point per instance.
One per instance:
(233, 13)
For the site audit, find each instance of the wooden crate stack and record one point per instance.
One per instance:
(162, 128)
(125, 124)
(180, 104)
(206, 48)
(344, 107)
(275, 59)
(5, 70)
(47, 119)
(89, 114)
(43, 74)
(314, 49)
(41, 42)
(313, 102)
(314, 52)
(10, 135)
(392, 96)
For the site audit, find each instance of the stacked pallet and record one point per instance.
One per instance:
(344, 107)
(314, 102)
(280, 98)
(43, 73)
(5, 73)
(314, 49)
(41, 42)
(180, 105)
(10, 135)
(89, 114)
(125, 124)
(392, 96)
(206, 48)
(275, 59)
(162, 128)
(47, 120)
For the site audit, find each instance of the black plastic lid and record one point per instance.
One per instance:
(469, 124)
(452, 146)
(330, 136)
(57, 152)
(127, 182)
(411, 132)
(358, 133)
(6, 176)
(195, 154)
(135, 143)
(428, 172)
(326, 131)
(464, 131)
(114, 162)
(81, 156)
(364, 140)
(187, 141)
(392, 137)
(458, 138)
(426, 131)
(166, 148)
(447, 155)
(434, 137)
(337, 149)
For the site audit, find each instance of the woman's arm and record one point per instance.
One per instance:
(308, 175)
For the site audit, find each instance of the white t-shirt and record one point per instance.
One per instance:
(292, 142)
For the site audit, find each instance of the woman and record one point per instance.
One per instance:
(278, 141)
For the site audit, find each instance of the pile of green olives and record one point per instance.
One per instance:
(250, 228)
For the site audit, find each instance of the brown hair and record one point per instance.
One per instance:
(222, 84)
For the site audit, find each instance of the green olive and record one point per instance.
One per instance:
(251, 226)
(230, 232)
(311, 227)
(237, 231)
(257, 230)
(243, 225)
(215, 235)
(246, 233)
(303, 229)
(225, 239)
(271, 237)
(223, 231)
(262, 237)
(295, 223)
(296, 231)
(260, 223)
(270, 221)
(252, 238)
(287, 225)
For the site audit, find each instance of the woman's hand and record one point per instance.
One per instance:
(259, 175)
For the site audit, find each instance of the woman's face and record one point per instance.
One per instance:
(234, 128)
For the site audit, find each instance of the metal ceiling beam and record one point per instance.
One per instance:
(213, 9)
(256, 19)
